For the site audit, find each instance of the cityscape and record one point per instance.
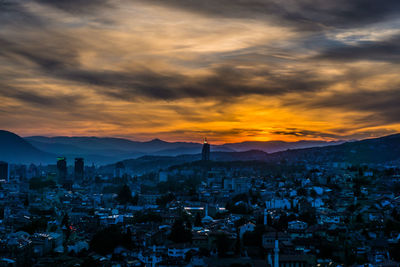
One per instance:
(299, 207)
(166, 133)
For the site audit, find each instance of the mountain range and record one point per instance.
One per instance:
(15, 149)
(40, 149)
(376, 151)
(103, 150)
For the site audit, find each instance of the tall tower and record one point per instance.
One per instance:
(62, 169)
(4, 171)
(276, 253)
(63, 173)
(205, 153)
(79, 170)
(119, 169)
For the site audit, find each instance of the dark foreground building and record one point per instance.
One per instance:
(79, 170)
(4, 172)
(63, 173)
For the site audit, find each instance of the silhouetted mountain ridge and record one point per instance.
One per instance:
(14, 149)
(38, 149)
(276, 146)
(154, 163)
(376, 151)
(105, 150)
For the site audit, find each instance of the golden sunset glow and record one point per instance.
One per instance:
(177, 71)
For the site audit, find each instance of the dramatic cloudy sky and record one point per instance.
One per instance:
(182, 69)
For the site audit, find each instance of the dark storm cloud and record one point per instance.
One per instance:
(57, 56)
(46, 60)
(76, 6)
(216, 134)
(302, 14)
(386, 50)
(49, 56)
(342, 134)
(305, 133)
(223, 83)
(31, 97)
(13, 12)
(378, 106)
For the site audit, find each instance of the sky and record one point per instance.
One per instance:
(179, 70)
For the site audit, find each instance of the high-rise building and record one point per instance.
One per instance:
(119, 169)
(79, 170)
(62, 171)
(205, 153)
(4, 171)
(33, 171)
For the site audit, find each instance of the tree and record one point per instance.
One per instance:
(309, 217)
(238, 245)
(269, 219)
(106, 240)
(283, 222)
(395, 251)
(302, 192)
(197, 220)
(238, 207)
(65, 220)
(26, 201)
(147, 217)
(165, 199)
(135, 200)
(395, 215)
(359, 218)
(36, 225)
(124, 195)
(40, 183)
(313, 193)
(180, 232)
(223, 244)
(66, 225)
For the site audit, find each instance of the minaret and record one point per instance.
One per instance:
(265, 217)
(269, 259)
(276, 253)
(153, 258)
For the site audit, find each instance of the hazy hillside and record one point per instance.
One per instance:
(378, 150)
(108, 150)
(157, 153)
(155, 163)
(275, 146)
(14, 149)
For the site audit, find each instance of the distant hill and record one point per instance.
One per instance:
(376, 150)
(103, 150)
(276, 146)
(158, 154)
(14, 149)
(108, 150)
(154, 163)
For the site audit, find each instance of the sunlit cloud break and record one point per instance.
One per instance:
(179, 70)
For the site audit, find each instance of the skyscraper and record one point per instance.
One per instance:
(4, 171)
(205, 153)
(62, 170)
(79, 170)
(119, 169)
